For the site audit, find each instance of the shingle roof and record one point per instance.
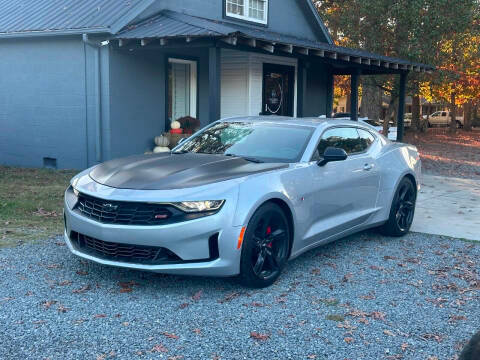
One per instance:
(170, 24)
(28, 16)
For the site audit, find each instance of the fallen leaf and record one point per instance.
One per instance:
(159, 348)
(184, 305)
(100, 316)
(81, 272)
(404, 346)
(170, 336)
(388, 332)
(65, 283)
(348, 340)
(62, 309)
(257, 336)
(82, 290)
(197, 295)
(49, 303)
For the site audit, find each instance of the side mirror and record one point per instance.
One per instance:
(332, 154)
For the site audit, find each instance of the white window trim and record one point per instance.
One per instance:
(193, 83)
(248, 18)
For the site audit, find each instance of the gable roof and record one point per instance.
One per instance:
(318, 19)
(30, 17)
(169, 25)
(49, 17)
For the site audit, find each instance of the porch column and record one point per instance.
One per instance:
(354, 96)
(301, 87)
(330, 89)
(401, 106)
(214, 83)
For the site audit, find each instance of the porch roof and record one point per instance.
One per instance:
(173, 26)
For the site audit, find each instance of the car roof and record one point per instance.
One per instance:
(313, 122)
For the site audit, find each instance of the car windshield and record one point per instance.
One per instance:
(260, 142)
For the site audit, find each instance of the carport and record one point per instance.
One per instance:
(171, 31)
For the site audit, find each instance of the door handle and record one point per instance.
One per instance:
(368, 167)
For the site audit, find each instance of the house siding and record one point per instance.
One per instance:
(43, 102)
(280, 11)
(242, 81)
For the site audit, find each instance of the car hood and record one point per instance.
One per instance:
(175, 171)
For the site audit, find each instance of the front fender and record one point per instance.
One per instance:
(256, 191)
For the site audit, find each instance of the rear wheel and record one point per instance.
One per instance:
(402, 210)
(265, 248)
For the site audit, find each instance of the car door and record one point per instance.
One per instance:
(343, 194)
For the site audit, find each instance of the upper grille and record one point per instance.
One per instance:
(127, 213)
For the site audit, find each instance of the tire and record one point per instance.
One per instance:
(266, 247)
(402, 210)
(429, 124)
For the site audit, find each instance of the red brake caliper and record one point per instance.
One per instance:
(269, 231)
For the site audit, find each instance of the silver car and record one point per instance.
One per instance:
(242, 197)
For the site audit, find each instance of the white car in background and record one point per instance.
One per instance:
(392, 130)
(443, 118)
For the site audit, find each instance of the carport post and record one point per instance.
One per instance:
(354, 95)
(401, 106)
(330, 89)
(214, 73)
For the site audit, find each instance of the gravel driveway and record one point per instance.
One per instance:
(365, 297)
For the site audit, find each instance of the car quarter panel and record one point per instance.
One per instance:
(396, 160)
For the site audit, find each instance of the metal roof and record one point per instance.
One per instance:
(170, 24)
(30, 16)
(163, 26)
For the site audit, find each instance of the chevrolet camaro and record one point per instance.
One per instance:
(241, 197)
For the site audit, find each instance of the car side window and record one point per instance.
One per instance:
(345, 138)
(366, 139)
(444, 113)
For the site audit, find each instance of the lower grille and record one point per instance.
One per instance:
(138, 254)
(123, 252)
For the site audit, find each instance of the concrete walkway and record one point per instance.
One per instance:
(448, 206)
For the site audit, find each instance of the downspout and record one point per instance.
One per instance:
(98, 85)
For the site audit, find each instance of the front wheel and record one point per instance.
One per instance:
(266, 246)
(402, 210)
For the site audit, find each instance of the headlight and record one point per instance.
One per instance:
(74, 185)
(199, 206)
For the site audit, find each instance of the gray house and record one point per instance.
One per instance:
(85, 81)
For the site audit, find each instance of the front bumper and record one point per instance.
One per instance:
(189, 240)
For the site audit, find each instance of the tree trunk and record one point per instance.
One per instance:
(391, 114)
(467, 115)
(453, 113)
(348, 103)
(371, 99)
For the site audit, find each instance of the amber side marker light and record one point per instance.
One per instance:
(240, 238)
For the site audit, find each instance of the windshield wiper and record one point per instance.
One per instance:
(179, 152)
(248, 158)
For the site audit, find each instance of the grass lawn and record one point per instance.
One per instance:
(31, 203)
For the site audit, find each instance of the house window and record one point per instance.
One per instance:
(250, 10)
(182, 88)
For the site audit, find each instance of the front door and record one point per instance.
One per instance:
(278, 90)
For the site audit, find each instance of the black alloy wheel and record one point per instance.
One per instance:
(402, 210)
(265, 248)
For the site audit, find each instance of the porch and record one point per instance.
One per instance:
(175, 65)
